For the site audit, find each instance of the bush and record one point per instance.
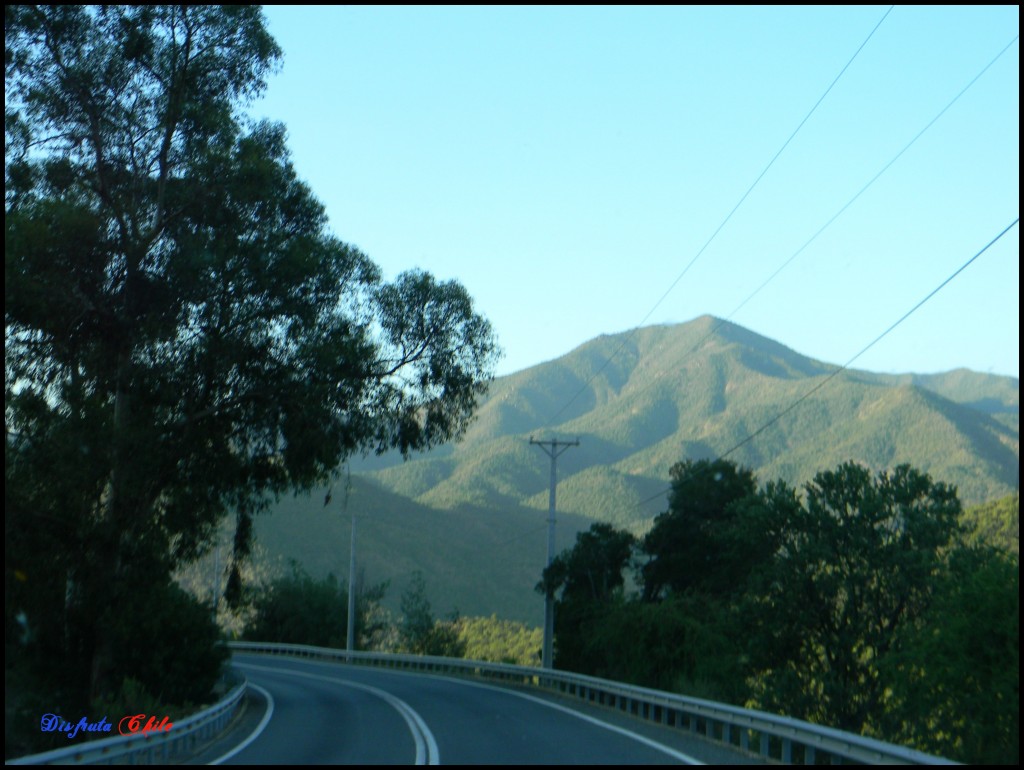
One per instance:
(501, 641)
(171, 647)
(170, 658)
(420, 633)
(296, 609)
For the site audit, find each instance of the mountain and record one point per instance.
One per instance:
(640, 402)
(698, 390)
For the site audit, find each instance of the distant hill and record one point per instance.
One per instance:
(694, 390)
(639, 403)
(474, 560)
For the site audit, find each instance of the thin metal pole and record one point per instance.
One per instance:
(350, 630)
(557, 447)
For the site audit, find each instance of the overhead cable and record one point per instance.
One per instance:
(729, 216)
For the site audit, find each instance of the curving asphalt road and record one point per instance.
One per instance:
(328, 713)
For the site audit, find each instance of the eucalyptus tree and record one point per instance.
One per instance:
(694, 544)
(184, 337)
(858, 564)
(588, 583)
(593, 569)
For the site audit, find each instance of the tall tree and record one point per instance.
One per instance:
(587, 580)
(686, 545)
(955, 674)
(859, 559)
(593, 568)
(297, 609)
(184, 337)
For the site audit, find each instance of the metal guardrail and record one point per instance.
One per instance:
(779, 738)
(152, 748)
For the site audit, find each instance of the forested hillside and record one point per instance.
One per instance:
(477, 561)
(472, 516)
(641, 402)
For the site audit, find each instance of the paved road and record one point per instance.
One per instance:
(326, 713)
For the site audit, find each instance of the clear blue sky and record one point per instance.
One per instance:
(566, 164)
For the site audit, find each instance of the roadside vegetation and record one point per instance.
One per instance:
(186, 340)
(301, 610)
(870, 602)
(865, 601)
(187, 344)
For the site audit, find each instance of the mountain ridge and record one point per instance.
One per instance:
(658, 394)
(472, 515)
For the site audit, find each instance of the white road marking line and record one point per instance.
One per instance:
(426, 746)
(684, 758)
(255, 733)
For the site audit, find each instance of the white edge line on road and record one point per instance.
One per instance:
(255, 733)
(426, 747)
(684, 758)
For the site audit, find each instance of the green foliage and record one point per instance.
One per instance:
(184, 337)
(683, 644)
(169, 644)
(635, 421)
(684, 547)
(586, 579)
(419, 632)
(205, 577)
(857, 562)
(996, 523)
(855, 605)
(501, 641)
(955, 674)
(134, 698)
(171, 656)
(417, 618)
(683, 641)
(592, 570)
(297, 609)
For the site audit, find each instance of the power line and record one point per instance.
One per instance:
(729, 216)
(873, 179)
(845, 366)
(850, 202)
